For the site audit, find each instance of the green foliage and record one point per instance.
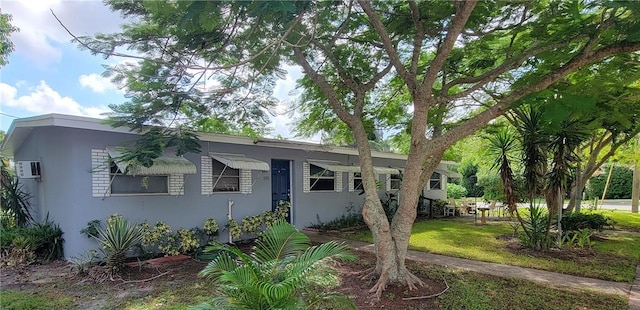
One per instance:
(43, 239)
(80, 264)
(116, 240)
(91, 230)
(535, 226)
(21, 300)
(470, 179)
(574, 221)
(235, 230)
(349, 220)
(619, 187)
(6, 46)
(14, 202)
(456, 191)
(274, 276)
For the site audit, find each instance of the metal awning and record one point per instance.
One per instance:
(385, 170)
(450, 174)
(340, 167)
(239, 161)
(334, 166)
(163, 165)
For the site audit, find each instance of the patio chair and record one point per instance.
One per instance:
(449, 210)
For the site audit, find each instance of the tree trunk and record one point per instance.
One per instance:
(391, 240)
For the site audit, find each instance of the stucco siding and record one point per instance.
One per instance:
(67, 188)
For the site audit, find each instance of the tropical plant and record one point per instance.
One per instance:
(46, 239)
(14, 202)
(534, 225)
(275, 275)
(235, 231)
(116, 240)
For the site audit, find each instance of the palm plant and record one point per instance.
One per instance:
(275, 276)
(116, 240)
(502, 145)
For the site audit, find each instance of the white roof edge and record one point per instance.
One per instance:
(83, 122)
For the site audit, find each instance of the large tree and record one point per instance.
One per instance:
(484, 57)
(6, 46)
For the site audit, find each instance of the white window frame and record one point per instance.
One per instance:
(119, 174)
(439, 180)
(322, 177)
(391, 180)
(217, 177)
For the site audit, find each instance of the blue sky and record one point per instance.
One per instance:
(48, 74)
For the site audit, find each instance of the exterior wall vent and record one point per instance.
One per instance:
(28, 169)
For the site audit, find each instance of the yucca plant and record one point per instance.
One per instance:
(275, 275)
(116, 240)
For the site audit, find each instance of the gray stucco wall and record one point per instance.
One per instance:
(65, 189)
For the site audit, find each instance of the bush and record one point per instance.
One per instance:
(619, 187)
(44, 239)
(574, 221)
(276, 275)
(456, 191)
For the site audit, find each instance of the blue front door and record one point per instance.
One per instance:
(280, 183)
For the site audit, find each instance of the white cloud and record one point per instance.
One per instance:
(41, 36)
(97, 83)
(43, 99)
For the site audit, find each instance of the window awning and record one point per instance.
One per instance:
(334, 166)
(450, 174)
(340, 167)
(239, 161)
(163, 165)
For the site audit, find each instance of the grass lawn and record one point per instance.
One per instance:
(615, 259)
(624, 220)
(468, 290)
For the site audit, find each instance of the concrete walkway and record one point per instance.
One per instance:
(546, 278)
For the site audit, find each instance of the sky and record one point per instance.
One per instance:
(47, 73)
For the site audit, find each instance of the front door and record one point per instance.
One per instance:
(280, 183)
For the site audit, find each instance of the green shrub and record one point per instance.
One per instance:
(535, 226)
(619, 187)
(116, 240)
(574, 221)
(456, 191)
(275, 276)
(46, 238)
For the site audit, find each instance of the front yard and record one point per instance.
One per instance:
(614, 256)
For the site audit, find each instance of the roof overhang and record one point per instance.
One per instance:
(239, 161)
(163, 165)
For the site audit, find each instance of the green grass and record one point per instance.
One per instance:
(172, 298)
(624, 220)
(616, 259)
(19, 300)
(474, 291)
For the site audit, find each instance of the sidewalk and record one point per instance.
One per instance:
(507, 271)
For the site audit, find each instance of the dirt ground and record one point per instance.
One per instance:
(57, 278)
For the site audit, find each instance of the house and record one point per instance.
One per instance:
(70, 166)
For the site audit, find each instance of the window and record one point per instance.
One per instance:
(321, 179)
(395, 180)
(435, 181)
(137, 184)
(357, 181)
(225, 179)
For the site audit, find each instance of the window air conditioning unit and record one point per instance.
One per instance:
(28, 169)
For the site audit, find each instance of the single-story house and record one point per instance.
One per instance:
(65, 163)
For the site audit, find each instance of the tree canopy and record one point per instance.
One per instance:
(432, 71)
(6, 46)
